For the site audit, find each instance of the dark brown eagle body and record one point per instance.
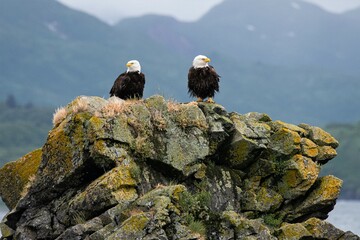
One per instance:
(129, 85)
(203, 82)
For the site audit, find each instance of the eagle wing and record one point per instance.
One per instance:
(119, 85)
(138, 84)
(192, 81)
(215, 78)
(214, 73)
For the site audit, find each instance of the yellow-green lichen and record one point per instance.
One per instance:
(328, 188)
(156, 102)
(309, 148)
(299, 175)
(6, 231)
(96, 128)
(277, 125)
(125, 194)
(320, 229)
(326, 153)
(58, 150)
(239, 152)
(294, 231)
(268, 199)
(135, 223)
(187, 115)
(232, 217)
(17, 174)
(113, 187)
(285, 141)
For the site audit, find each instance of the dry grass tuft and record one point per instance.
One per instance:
(135, 211)
(160, 186)
(78, 217)
(59, 116)
(81, 105)
(159, 121)
(115, 107)
(173, 106)
(193, 103)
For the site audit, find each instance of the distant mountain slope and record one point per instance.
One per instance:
(22, 129)
(52, 20)
(283, 32)
(348, 163)
(164, 30)
(354, 15)
(47, 47)
(287, 58)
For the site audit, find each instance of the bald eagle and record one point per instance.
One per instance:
(129, 84)
(203, 81)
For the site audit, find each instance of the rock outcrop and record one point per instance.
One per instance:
(156, 169)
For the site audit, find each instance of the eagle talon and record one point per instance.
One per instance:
(199, 100)
(210, 100)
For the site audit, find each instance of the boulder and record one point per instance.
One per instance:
(156, 169)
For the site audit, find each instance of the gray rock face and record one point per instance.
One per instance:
(155, 169)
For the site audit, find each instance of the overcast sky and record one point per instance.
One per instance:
(112, 11)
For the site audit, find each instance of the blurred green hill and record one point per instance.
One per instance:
(23, 128)
(346, 166)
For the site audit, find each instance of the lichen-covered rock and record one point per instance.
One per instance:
(322, 229)
(15, 177)
(319, 202)
(244, 228)
(299, 175)
(285, 142)
(294, 231)
(261, 200)
(319, 136)
(155, 169)
(309, 148)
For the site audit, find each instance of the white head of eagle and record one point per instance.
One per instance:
(133, 66)
(201, 61)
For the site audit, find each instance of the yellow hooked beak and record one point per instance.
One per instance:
(207, 60)
(129, 64)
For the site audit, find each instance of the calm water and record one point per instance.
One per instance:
(345, 216)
